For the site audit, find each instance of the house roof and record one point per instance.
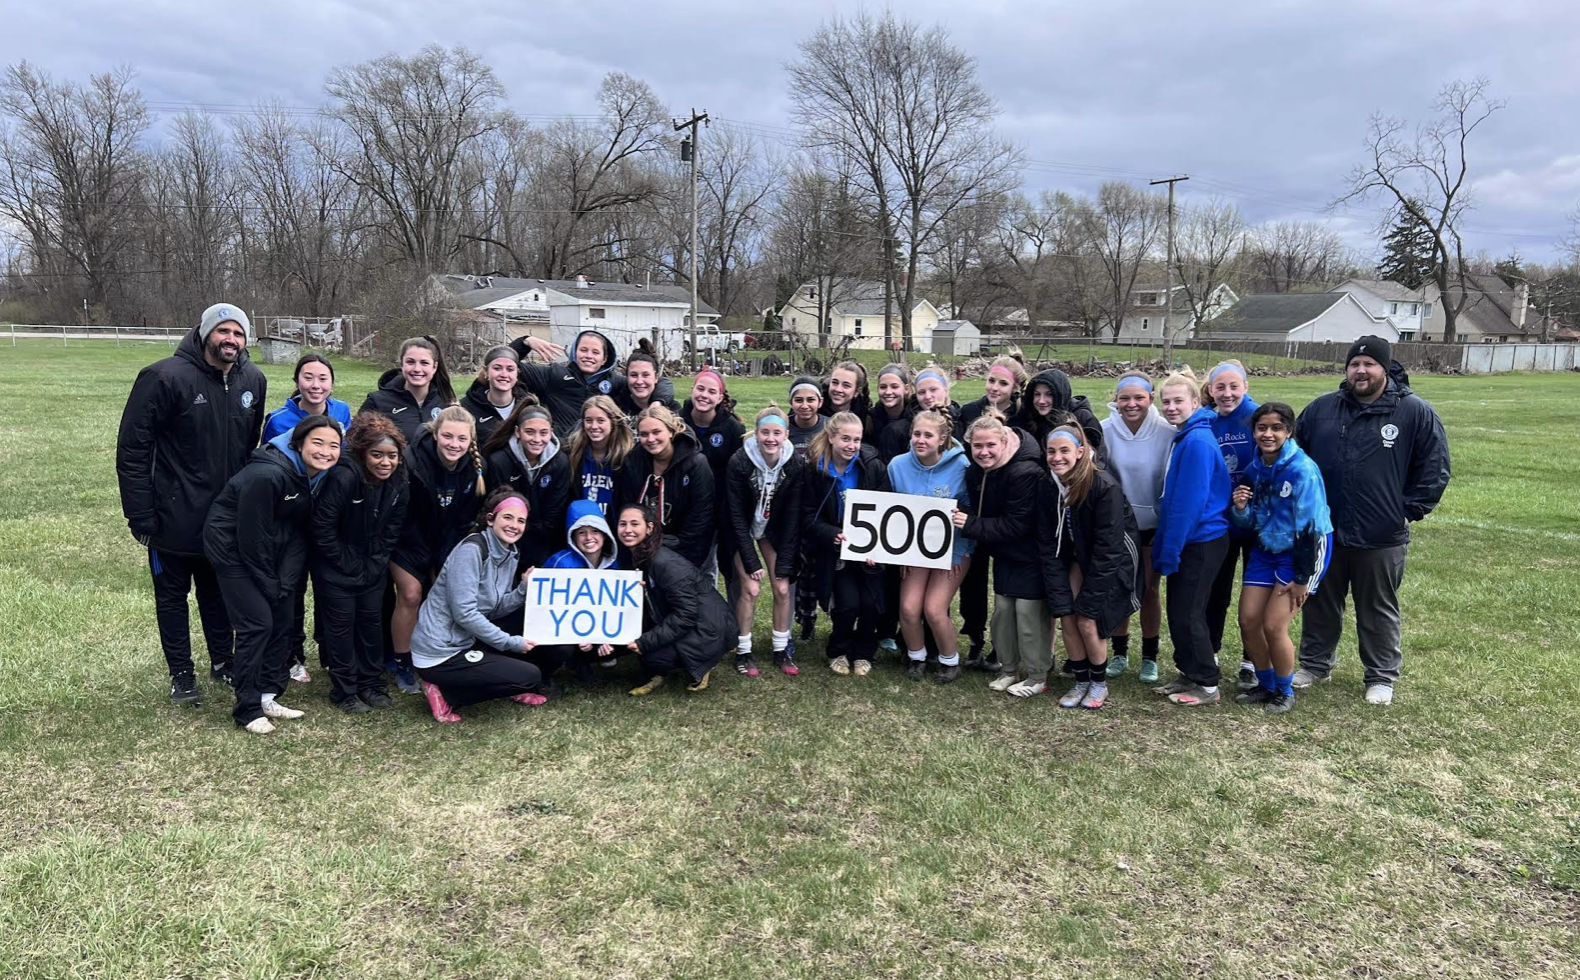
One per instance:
(1393, 291)
(1490, 305)
(1273, 314)
(854, 297)
(476, 291)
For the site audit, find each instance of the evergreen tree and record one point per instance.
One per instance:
(1408, 252)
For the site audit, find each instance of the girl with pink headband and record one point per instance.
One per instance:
(1005, 380)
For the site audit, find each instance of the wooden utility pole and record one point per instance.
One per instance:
(688, 151)
(1168, 268)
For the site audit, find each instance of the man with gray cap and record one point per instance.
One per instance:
(190, 424)
(1384, 462)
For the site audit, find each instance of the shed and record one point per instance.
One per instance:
(956, 338)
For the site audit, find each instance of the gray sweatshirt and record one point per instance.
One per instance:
(478, 583)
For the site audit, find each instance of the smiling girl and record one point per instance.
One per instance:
(1231, 425)
(763, 516)
(496, 391)
(686, 622)
(846, 390)
(806, 413)
(525, 454)
(597, 450)
(1006, 377)
(315, 384)
(413, 392)
(644, 386)
(669, 475)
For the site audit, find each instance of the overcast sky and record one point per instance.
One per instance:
(1265, 103)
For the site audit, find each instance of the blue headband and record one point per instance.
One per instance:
(1134, 381)
(1225, 366)
(1064, 434)
(930, 373)
(772, 420)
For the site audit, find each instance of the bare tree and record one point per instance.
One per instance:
(1424, 175)
(71, 169)
(738, 185)
(412, 121)
(1294, 256)
(1209, 245)
(1121, 229)
(822, 238)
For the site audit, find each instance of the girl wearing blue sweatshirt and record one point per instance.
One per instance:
(315, 382)
(1191, 541)
(597, 449)
(589, 545)
(1226, 389)
(1283, 503)
(935, 467)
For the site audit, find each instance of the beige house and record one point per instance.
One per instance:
(853, 309)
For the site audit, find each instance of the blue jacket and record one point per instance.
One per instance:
(1233, 432)
(944, 479)
(583, 513)
(1195, 493)
(1289, 508)
(284, 418)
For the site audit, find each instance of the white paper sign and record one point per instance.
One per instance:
(899, 529)
(579, 605)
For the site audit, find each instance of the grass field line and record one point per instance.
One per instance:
(1505, 528)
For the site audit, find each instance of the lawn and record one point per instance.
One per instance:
(809, 827)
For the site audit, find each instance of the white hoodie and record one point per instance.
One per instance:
(1139, 460)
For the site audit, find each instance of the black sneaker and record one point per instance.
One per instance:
(992, 666)
(807, 625)
(1247, 679)
(1280, 704)
(916, 669)
(375, 699)
(1259, 695)
(220, 674)
(184, 690)
(354, 706)
(973, 658)
(946, 675)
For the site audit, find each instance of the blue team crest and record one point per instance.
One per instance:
(246, 399)
(1286, 489)
(685, 481)
(435, 413)
(604, 386)
(544, 480)
(1232, 461)
(716, 440)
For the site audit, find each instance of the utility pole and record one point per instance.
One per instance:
(1168, 268)
(688, 151)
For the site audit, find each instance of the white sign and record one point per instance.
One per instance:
(899, 529)
(579, 605)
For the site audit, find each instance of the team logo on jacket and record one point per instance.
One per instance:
(1286, 489)
(1232, 461)
(545, 480)
(201, 399)
(716, 440)
(685, 481)
(473, 656)
(1390, 432)
(604, 386)
(435, 413)
(246, 399)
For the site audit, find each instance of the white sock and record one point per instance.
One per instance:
(781, 640)
(949, 661)
(265, 698)
(1211, 690)
(1247, 665)
(743, 643)
(917, 654)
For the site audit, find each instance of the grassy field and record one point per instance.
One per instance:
(810, 827)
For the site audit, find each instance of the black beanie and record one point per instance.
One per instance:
(1375, 348)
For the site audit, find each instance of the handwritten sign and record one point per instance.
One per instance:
(899, 529)
(579, 605)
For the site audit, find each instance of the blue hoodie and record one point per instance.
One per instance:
(583, 513)
(1233, 432)
(944, 479)
(1195, 493)
(282, 442)
(284, 418)
(1289, 508)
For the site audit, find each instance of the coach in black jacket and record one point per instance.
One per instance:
(190, 424)
(1384, 461)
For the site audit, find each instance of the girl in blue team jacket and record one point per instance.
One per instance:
(1229, 396)
(1283, 502)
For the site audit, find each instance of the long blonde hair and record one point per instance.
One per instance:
(455, 413)
(820, 449)
(1079, 481)
(615, 448)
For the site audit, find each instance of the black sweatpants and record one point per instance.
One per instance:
(1237, 551)
(854, 611)
(974, 599)
(1187, 595)
(263, 658)
(888, 627)
(174, 577)
(350, 641)
(495, 675)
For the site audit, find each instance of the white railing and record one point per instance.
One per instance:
(68, 332)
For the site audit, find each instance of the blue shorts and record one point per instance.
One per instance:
(1267, 570)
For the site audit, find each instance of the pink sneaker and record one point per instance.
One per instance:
(788, 667)
(529, 698)
(442, 712)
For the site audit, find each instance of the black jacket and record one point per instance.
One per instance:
(720, 441)
(483, 411)
(441, 511)
(1003, 520)
(355, 525)
(686, 613)
(1100, 537)
(562, 388)
(1067, 409)
(687, 517)
(822, 518)
(392, 398)
(186, 430)
(891, 436)
(547, 492)
(257, 526)
(743, 490)
(1384, 464)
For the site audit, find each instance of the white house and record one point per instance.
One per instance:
(624, 312)
(1298, 317)
(853, 308)
(1415, 313)
(1143, 319)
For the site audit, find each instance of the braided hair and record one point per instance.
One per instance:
(459, 415)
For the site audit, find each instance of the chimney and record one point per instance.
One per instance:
(1522, 299)
(581, 282)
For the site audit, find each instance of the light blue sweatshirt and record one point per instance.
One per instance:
(944, 479)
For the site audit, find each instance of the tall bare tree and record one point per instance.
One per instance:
(1121, 228)
(1209, 245)
(1424, 176)
(1294, 256)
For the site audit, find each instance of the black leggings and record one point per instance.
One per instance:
(1188, 594)
(854, 611)
(974, 598)
(1238, 551)
(349, 641)
(262, 661)
(495, 675)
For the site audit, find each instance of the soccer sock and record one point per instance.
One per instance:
(1264, 679)
(1082, 673)
(917, 655)
(1213, 689)
(743, 645)
(1246, 664)
(953, 661)
(1120, 645)
(781, 640)
(1286, 684)
(1149, 647)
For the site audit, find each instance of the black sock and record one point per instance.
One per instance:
(1119, 645)
(1079, 669)
(1149, 648)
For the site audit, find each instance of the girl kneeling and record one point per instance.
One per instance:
(1283, 501)
(461, 653)
(1090, 565)
(690, 622)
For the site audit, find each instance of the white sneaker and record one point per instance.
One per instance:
(259, 726)
(1307, 678)
(1379, 694)
(1075, 695)
(1002, 682)
(299, 673)
(1028, 688)
(274, 709)
(861, 668)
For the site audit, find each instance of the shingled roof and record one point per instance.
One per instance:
(1272, 314)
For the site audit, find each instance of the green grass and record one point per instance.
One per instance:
(811, 827)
